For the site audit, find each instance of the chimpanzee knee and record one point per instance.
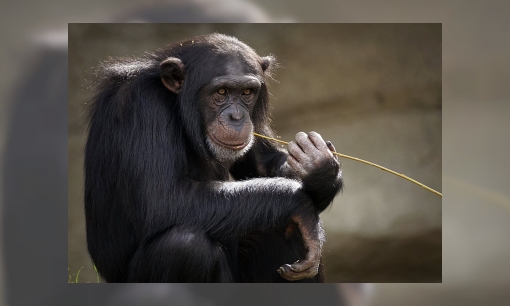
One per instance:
(179, 255)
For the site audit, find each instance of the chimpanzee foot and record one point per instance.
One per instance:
(308, 267)
(300, 270)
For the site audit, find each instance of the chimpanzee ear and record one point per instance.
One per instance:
(172, 74)
(266, 62)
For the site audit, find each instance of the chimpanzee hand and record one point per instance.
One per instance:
(316, 166)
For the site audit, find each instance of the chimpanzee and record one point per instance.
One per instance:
(177, 188)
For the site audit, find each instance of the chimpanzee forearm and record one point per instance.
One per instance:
(246, 206)
(322, 186)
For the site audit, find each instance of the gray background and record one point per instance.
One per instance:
(373, 90)
(476, 205)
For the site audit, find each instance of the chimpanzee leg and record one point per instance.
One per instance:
(261, 254)
(181, 254)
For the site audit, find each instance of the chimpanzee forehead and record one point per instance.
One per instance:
(240, 66)
(235, 63)
(235, 81)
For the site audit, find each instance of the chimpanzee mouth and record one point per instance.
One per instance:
(232, 146)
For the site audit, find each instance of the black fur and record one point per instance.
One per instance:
(159, 206)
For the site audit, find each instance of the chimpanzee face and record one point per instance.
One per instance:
(228, 104)
(226, 101)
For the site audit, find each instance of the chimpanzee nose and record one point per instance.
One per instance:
(235, 114)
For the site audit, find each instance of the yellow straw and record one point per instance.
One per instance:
(365, 162)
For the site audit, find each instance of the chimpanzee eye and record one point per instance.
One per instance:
(221, 91)
(247, 92)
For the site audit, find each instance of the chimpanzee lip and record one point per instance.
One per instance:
(229, 145)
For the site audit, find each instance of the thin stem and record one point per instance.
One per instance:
(365, 162)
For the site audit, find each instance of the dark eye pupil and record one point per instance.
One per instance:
(221, 91)
(247, 92)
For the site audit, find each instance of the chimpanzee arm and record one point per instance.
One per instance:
(322, 180)
(227, 210)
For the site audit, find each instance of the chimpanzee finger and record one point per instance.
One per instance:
(295, 164)
(305, 143)
(331, 147)
(317, 140)
(295, 151)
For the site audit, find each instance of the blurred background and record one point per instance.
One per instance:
(475, 210)
(374, 90)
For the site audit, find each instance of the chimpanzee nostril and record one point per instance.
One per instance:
(236, 114)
